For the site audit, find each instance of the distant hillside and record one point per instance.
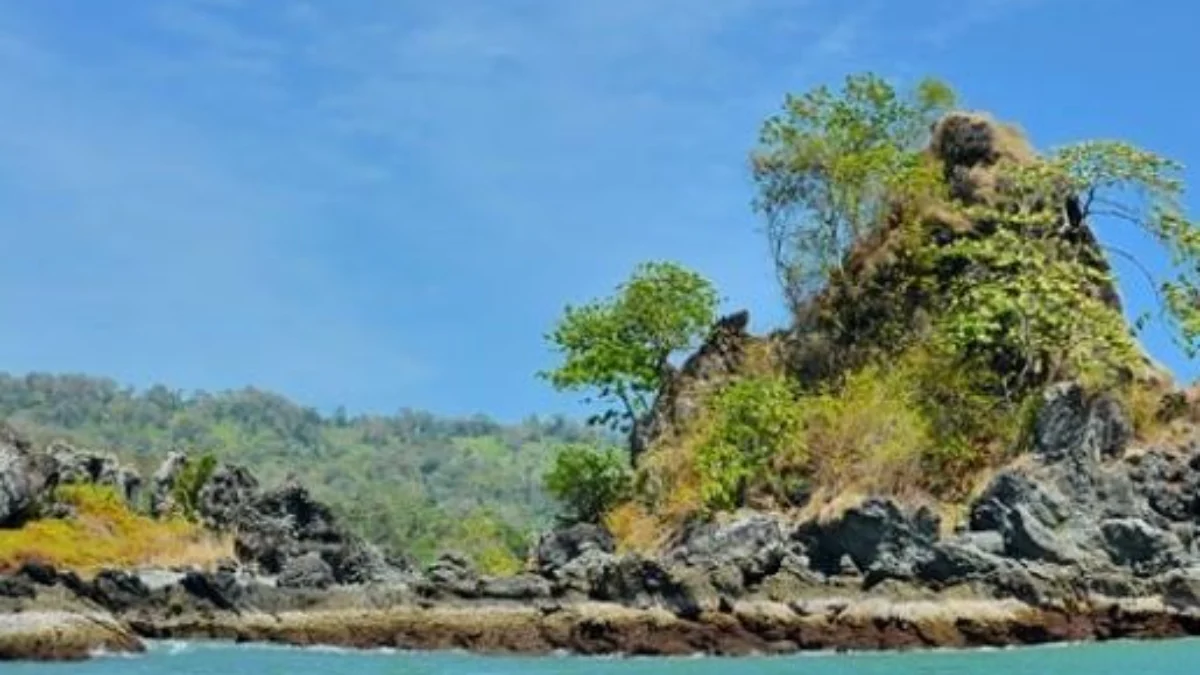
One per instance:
(413, 481)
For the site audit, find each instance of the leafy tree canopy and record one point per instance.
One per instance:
(620, 347)
(588, 481)
(830, 165)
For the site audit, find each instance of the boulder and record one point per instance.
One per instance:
(739, 555)
(220, 590)
(306, 571)
(16, 587)
(25, 477)
(881, 539)
(559, 547)
(118, 591)
(1147, 550)
(452, 574)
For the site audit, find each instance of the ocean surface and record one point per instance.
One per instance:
(1180, 657)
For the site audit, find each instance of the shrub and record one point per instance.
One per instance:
(186, 491)
(104, 532)
(588, 481)
(494, 546)
(756, 429)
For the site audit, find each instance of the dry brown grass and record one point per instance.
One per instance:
(105, 533)
(635, 529)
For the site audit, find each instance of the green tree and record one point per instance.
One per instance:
(831, 167)
(588, 481)
(756, 423)
(621, 347)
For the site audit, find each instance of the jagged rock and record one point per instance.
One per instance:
(38, 573)
(163, 482)
(559, 547)
(360, 562)
(220, 589)
(882, 540)
(641, 582)
(576, 578)
(306, 571)
(99, 468)
(680, 400)
(1181, 590)
(1134, 543)
(739, 555)
(1068, 427)
(286, 523)
(225, 494)
(16, 587)
(25, 477)
(1169, 481)
(452, 574)
(1076, 505)
(118, 591)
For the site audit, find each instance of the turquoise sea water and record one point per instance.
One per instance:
(1118, 658)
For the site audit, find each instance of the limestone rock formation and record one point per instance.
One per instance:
(25, 477)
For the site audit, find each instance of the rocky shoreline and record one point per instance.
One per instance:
(591, 628)
(1091, 536)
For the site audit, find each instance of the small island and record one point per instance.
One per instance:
(957, 441)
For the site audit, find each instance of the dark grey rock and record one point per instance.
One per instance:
(227, 492)
(559, 547)
(306, 571)
(118, 591)
(1134, 543)
(882, 540)
(220, 590)
(1181, 590)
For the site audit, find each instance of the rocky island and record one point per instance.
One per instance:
(1015, 472)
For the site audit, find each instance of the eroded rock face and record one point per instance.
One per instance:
(559, 547)
(76, 465)
(882, 540)
(1078, 505)
(306, 571)
(286, 523)
(25, 477)
(719, 358)
(228, 491)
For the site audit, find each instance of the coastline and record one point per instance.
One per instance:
(600, 628)
(64, 636)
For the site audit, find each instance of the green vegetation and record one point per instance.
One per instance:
(588, 481)
(186, 492)
(621, 347)
(414, 482)
(756, 429)
(830, 170)
(104, 532)
(940, 273)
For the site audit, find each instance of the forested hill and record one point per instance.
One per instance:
(412, 480)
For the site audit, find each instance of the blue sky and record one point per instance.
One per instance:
(386, 204)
